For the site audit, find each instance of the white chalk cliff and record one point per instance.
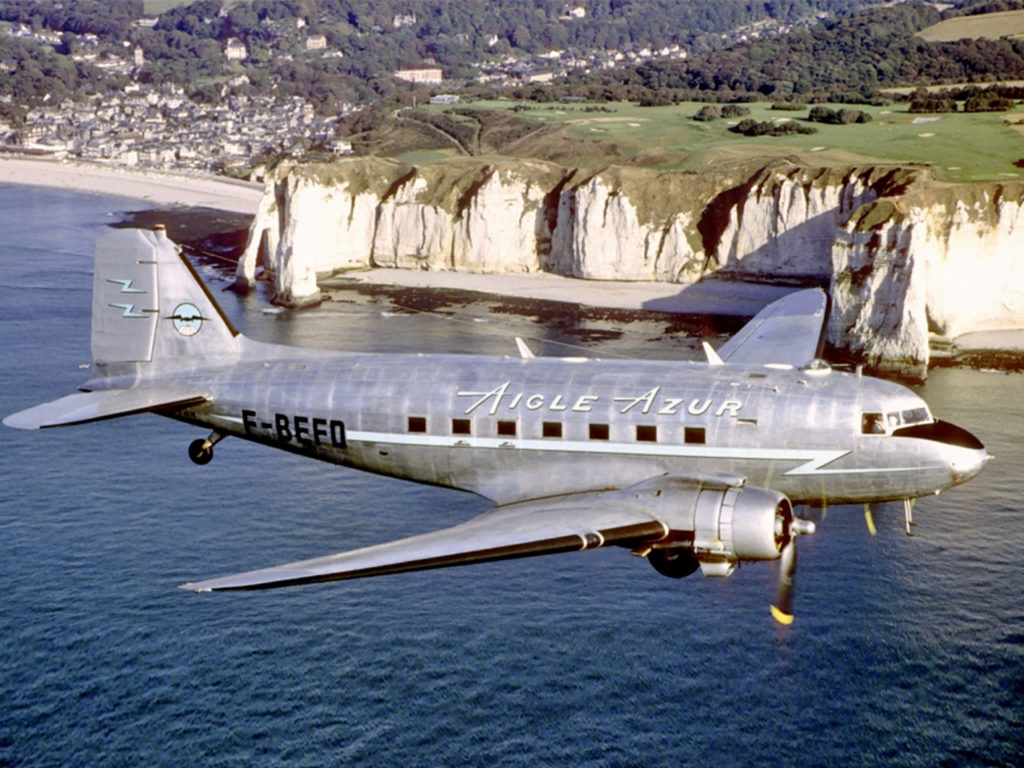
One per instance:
(904, 256)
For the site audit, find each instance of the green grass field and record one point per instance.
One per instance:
(156, 7)
(990, 25)
(960, 147)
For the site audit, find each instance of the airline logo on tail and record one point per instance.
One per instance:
(187, 319)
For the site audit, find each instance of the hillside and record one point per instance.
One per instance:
(989, 25)
(957, 146)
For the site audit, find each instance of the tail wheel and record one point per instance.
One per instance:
(200, 451)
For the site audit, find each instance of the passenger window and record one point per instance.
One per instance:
(872, 424)
(693, 435)
(460, 427)
(551, 429)
(417, 423)
(599, 432)
(507, 428)
(646, 433)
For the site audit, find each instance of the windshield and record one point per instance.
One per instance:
(884, 424)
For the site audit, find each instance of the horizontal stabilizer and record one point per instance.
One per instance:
(84, 407)
(786, 332)
(546, 526)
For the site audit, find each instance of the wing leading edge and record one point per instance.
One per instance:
(540, 527)
(786, 332)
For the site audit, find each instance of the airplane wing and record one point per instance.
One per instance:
(544, 526)
(788, 331)
(83, 407)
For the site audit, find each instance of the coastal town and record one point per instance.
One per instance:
(150, 125)
(158, 126)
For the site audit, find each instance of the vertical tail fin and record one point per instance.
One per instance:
(150, 310)
(151, 314)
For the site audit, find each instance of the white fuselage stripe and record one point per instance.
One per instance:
(812, 459)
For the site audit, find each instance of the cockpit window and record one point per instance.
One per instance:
(907, 418)
(916, 416)
(883, 424)
(872, 424)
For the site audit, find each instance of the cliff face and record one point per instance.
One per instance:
(945, 260)
(897, 251)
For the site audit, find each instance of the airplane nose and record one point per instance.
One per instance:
(967, 463)
(961, 452)
(966, 454)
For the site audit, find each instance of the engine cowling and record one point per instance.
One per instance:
(739, 524)
(715, 523)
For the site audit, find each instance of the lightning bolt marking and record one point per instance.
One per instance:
(129, 310)
(126, 287)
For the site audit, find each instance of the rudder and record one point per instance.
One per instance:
(150, 307)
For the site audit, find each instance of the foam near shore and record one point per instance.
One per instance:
(156, 188)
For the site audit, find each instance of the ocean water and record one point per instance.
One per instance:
(906, 650)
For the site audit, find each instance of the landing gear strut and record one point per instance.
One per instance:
(908, 515)
(201, 451)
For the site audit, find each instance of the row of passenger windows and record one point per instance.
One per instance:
(645, 433)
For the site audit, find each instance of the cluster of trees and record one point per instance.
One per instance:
(976, 7)
(109, 19)
(848, 59)
(714, 112)
(820, 114)
(380, 36)
(860, 48)
(986, 101)
(751, 127)
(993, 98)
(37, 74)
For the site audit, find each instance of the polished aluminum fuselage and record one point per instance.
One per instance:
(512, 429)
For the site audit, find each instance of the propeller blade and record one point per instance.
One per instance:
(869, 519)
(782, 608)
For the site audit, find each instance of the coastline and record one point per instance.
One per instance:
(168, 191)
(708, 297)
(151, 186)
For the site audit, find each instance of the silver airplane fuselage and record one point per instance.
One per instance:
(512, 429)
(686, 464)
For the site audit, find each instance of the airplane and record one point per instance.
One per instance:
(687, 464)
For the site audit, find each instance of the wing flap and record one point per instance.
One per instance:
(786, 332)
(83, 407)
(527, 529)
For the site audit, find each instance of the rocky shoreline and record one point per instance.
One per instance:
(671, 317)
(906, 261)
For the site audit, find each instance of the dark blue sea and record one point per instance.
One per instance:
(906, 651)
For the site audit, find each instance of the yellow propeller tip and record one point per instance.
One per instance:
(870, 521)
(780, 616)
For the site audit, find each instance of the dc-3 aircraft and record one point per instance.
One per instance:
(689, 464)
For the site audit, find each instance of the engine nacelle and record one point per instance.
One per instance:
(717, 521)
(739, 523)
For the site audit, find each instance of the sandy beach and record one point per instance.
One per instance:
(169, 189)
(160, 189)
(707, 297)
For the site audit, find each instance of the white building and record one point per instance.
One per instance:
(235, 50)
(420, 75)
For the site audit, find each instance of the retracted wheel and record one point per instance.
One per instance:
(674, 562)
(200, 451)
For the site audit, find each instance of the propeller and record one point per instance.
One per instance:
(782, 607)
(869, 518)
